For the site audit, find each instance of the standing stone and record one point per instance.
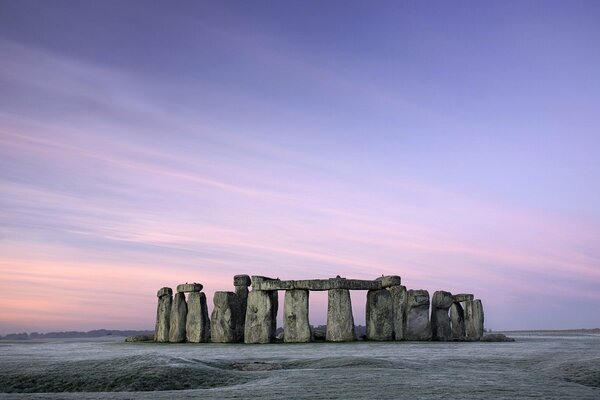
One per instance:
(261, 314)
(399, 298)
(457, 321)
(163, 315)
(417, 316)
(340, 322)
(224, 326)
(178, 317)
(296, 327)
(241, 283)
(440, 320)
(197, 326)
(380, 315)
(474, 319)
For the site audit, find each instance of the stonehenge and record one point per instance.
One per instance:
(225, 326)
(178, 318)
(163, 314)
(417, 316)
(440, 320)
(296, 328)
(250, 316)
(197, 324)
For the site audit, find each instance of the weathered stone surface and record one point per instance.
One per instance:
(417, 316)
(440, 320)
(389, 281)
(340, 321)
(197, 328)
(380, 315)
(163, 317)
(178, 317)
(474, 319)
(166, 291)
(189, 287)
(457, 322)
(399, 298)
(295, 317)
(263, 283)
(241, 280)
(459, 298)
(274, 307)
(242, 294)
(261, 316)
(225, 319)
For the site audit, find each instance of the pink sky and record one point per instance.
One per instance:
(249, 149)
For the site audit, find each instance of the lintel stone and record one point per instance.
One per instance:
(389, 281)
(189, 287)
(263, 283)
(462, 297)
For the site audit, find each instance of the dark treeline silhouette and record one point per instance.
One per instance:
(74, 334)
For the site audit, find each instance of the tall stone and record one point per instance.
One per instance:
(296, 327)
(457, 321)
(399, 297)
(380, 315)
(197, 326)
(241, 283)
(261, 317)
(163, 315)
(474, 319)
(225, 318)
(178, 318)
(417, 316)
(340, 322)
(440, 320)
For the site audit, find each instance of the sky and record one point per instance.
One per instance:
(147, 144)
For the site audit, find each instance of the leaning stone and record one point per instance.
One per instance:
(166, 291)
(457, 322)
(163, 315)
(462, 297)
(178, 317)
(380, 315)
(474, 319)
(399, 298)
(261, 314)
(241, 280)
(189, 287)
(225, 318)
(295, 317)
(417, 316)
(440, 320)
(390, 280)
(340, 322)
(197, 326)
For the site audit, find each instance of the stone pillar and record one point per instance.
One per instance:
(224, 325)
(163, 315)
(197, 325)
(241, 283)
(399, 297)
(380, 315)
(178, 317)
(295, 319)
(417, 316)
(457, 321)
(340, 322)
(440, 320)
(474, 319)
(261, 314)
